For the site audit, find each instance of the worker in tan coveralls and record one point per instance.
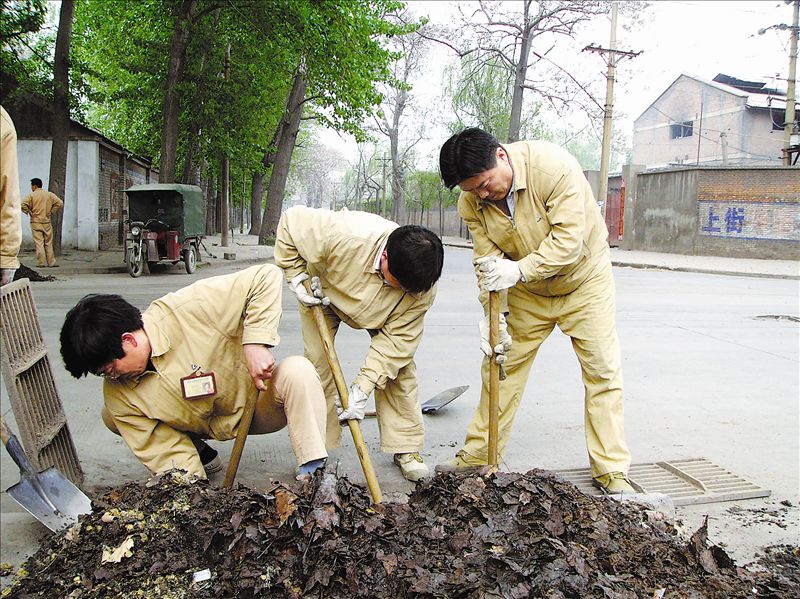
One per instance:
(371, 274)
(10, 210)
(539, 237)
(183, 370)
(39, 205)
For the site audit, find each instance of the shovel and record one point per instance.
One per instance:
(49, 497)
(436, 402)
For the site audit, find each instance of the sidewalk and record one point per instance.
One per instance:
(247, 250)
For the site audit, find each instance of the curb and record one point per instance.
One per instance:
(705, 271)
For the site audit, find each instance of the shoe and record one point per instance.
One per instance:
(311, 467)
(412, 466)
(54, 266)
(208, 456)
(614, 483)
(461, 464)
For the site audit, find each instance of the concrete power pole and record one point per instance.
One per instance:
(789, 127)
(611, 52)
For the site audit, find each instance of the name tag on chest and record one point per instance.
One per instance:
(197, 386)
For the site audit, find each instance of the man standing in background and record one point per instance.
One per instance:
(39, 205)
(10, 221)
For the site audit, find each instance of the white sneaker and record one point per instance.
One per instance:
(213, 466)
(412, 466)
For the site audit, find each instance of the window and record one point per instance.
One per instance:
(683, 129)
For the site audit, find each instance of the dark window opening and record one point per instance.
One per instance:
(683, 129)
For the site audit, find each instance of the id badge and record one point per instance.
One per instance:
(197, 386)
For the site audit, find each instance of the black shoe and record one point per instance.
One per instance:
(208, 456)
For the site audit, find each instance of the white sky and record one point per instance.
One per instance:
(702, 38)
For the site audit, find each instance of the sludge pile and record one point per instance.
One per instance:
(496, 535)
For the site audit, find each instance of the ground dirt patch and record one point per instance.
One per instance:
(477, 535)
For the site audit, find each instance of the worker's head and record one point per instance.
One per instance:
(476, 162)
(413, 259)
(36, 183)
(104, 335)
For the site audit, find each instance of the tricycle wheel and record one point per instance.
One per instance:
(190, 258)
(135, 264)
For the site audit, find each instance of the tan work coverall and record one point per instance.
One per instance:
(560, 240)
(40, 204)
(207, 324)
(342, 248)
(10, 208)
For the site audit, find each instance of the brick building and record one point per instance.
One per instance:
(98, 170)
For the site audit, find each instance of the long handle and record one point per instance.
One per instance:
(494, 376)
(19, 456)
(241, 437)
(341, 387)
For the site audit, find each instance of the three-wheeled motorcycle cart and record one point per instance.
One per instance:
(165, 223)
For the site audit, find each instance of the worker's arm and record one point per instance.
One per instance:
(157, 445)
(10, 219)
(26, 203)
(56, 203)
(300, 240)
(482, 246)
(393, 346)
(563, 195)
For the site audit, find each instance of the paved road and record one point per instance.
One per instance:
(705, 377)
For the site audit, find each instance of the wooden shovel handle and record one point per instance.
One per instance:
(241, 437)
(341, 387)
(494, 376)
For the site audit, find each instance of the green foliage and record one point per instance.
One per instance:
(26, 50)
(426, 191)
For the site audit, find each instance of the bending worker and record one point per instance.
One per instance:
(183, 370)
(39, 205)
(10, 221)
(373, 275)
(538, 236)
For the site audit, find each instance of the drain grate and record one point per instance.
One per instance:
(687, 482)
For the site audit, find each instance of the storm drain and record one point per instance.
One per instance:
(687, 482)
(38, 411)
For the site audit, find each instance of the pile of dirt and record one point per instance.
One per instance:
(480, 535)
(23, 272)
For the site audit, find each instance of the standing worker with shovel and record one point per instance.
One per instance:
(371, 274)
(539, 238)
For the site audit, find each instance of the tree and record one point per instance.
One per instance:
(58, 151)
(313, 173)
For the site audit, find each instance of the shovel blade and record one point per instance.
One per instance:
(442, 399)
(69, 500)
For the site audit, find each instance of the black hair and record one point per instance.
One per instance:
(36, 181)
(467, 154)
(92, 333)
(415, 256)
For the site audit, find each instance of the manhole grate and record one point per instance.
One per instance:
(687, 482)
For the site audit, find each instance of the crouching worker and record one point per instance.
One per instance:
(183, 370)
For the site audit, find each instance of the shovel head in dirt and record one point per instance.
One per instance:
(49, 496)
(442, 399)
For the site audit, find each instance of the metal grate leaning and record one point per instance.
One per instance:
(38, 411)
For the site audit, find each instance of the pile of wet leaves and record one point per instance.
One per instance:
(477, 535)
(23, 272)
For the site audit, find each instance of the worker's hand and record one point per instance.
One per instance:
(504, 339)
(303, 296)
(260, 364)
(6, 275)
(316, 291)
(498, 273)
(356, 405)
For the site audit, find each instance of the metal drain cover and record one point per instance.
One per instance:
(687, 482)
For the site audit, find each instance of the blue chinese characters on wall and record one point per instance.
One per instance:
(749, 220)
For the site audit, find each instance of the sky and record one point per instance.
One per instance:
(701, 38)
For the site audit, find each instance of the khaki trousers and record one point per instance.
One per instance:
(397, 404)
(294, 399)
(587, 316)
(43, 239)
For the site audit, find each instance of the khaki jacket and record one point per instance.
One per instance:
(341, 248)
(557, 235)
(40, 204)
(205, 324)
(10, 220)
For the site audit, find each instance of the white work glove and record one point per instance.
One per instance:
(504, 339)
(315, 298)
(498, 273)
(356, 405)
(6, 275)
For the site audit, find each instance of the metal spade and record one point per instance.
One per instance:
(49, 496)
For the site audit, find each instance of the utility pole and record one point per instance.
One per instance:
(611, 53)
(382, 212)
(789, 126)
(225, 240)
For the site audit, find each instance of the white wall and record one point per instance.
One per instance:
(81, 196)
